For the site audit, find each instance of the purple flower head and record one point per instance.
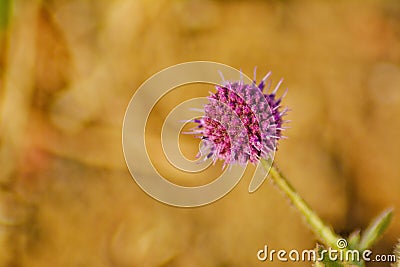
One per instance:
(242, 123)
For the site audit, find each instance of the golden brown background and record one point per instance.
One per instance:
(69, 68)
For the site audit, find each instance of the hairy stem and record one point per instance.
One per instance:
(320, 229)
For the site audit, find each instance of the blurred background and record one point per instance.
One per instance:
(68, 69)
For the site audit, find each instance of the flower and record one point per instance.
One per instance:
(241, 123)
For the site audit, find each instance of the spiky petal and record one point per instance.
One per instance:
(241, 123)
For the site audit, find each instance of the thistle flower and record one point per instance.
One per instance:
(241, 123)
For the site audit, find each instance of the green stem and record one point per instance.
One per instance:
(320, 229)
